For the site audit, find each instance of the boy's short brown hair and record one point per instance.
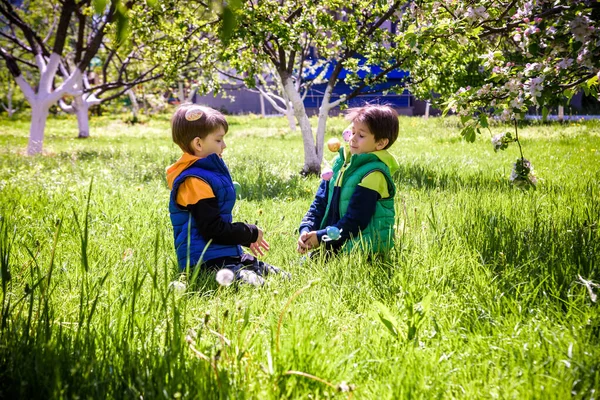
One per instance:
(381, 120)
(191, 121)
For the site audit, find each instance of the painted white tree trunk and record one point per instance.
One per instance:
(426, 110)
(312, 161)
(39, 116)
(8, 107)
(290, 116)
(561, 113)
(289, 111)
(181, 93)
(83, 119)
(135, 108)
(45, 96)
(262, 104)
(322, 121)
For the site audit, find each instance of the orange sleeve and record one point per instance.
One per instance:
(192, 190)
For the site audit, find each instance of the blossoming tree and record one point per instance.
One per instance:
(520, 54)
(284, 33)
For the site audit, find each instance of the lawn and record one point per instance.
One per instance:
(484, 295)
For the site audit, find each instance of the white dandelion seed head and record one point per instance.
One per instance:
(177, 286)
(225, 277)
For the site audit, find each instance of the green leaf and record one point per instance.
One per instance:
(464, 119)
(586, 90)
(545, 112)
(122, 24)
(468, 133)
(99, 6)
(569, 93)
(386, 318)
(483, 121)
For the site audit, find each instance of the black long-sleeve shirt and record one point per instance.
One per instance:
(212, 226)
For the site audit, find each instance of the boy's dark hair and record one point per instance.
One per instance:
(191, 121)
(381, 120)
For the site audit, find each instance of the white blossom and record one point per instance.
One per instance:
(532, 67)
(580, 27)
(534, 85)
(478, 13)
(517, 102)
(565, 63)
(513, 85)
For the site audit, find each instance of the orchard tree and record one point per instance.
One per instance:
(36, 36)
(284, 33)
(510, 56)
(117, 67)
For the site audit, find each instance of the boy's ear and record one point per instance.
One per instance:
(196, 144)
(381, 143)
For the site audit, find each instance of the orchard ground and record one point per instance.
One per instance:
(489, 293)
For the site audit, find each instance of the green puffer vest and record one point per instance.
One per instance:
(378, 236)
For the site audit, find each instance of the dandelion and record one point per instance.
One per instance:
(225, 277)
(177, 286)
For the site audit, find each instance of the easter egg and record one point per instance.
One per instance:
(327, 174)
(347, 133)
(333, 232)
(333, 144)
(237, 187)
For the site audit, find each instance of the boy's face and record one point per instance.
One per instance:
(363, 141)
(212, 143)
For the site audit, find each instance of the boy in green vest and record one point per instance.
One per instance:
(358, 200)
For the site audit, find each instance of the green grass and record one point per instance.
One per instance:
(480, 299)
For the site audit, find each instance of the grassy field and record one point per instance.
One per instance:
(481, 297)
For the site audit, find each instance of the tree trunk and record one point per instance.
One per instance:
(39, 116)
(262, 104)
(312, 160)
(9, 95)
(181, 93)
(135, 108)
(83, 119)
(289, 112)
(290, 116)
(322, 122)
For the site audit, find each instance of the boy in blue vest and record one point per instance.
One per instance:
(202, 200)
(358, 199)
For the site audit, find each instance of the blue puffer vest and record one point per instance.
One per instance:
(212, 170)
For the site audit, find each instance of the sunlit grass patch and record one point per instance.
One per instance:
(481, 296)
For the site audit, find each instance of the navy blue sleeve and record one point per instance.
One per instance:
(361, 209)
(316, 212)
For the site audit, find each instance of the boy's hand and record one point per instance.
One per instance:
(307, 241)
(260, 245)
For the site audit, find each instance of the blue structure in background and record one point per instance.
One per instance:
(250, 102)
(375, 93)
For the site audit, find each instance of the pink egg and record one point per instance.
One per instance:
(327, 174)
(346, 135)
